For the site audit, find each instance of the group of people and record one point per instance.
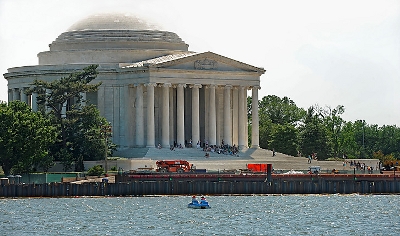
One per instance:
(176, 145)
(172, 148)
(221, 149)
(362, 166)
(195, 201)
(311, 157)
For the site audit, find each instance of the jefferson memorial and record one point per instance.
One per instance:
(154, 90)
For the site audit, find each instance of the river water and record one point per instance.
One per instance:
(229, 215)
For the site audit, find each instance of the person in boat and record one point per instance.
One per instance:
(203, 200)
(194, 200)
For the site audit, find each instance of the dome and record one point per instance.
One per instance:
(111, 38)
(112, 22)
(116, 31)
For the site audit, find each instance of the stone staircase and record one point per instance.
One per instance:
(131, 152)
(193, 154)
(221, 161)
(176, 154)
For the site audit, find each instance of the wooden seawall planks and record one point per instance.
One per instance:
(175, 186)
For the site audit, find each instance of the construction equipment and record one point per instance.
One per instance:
(178, 166)
(314, 169)
(259, 167)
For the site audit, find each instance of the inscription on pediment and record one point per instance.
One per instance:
(205, 64)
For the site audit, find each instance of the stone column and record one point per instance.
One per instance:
(139, 116)
(227, 115)
(246, 118)
(180, 114)
(83, 99)
(242, 118)
(46, 107)
(101, 99)
(64, 110)
(23, 96)
(16, 94)
(171, 115)
(126, 116)
(150, 115)
(34, 101)
(219, 116)
(255, 123)
(10, 95)
(213, 118)
(165, 115)
(235, 115)
(195, 114)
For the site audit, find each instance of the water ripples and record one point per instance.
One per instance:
(229, 215)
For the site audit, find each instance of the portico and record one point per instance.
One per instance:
(200, 111)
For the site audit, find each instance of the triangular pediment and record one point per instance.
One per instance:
(206, 61)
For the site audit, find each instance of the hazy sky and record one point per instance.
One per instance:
(315, 52)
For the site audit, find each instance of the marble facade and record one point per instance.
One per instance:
(154, 91)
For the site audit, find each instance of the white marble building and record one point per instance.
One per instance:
(153, 89)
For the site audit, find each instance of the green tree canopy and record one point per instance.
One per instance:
(25, 137)
(87, 135)
(286, 127)
(280, 110)
(284, 139)
(66, 91)
(80, 137)
(333, 122)
(314, 135)
(278, 120)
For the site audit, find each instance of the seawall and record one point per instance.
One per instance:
(218, 184)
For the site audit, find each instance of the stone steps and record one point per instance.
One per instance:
(131, 152)
(185, 153)
(193, 153)
(221, 161)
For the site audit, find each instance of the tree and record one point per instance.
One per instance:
(265, 132)
(313, 135)
(386, 160)
(25, 137)
(347, 140)
(284, 139)
(280, 110)
(284, 127)
(79, 125)
(388, 140)
(279, 118)
(59, 95)
(333, 123)
(88, 134)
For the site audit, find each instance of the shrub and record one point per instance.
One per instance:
(96, 171)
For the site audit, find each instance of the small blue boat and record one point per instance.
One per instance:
(195, 204)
